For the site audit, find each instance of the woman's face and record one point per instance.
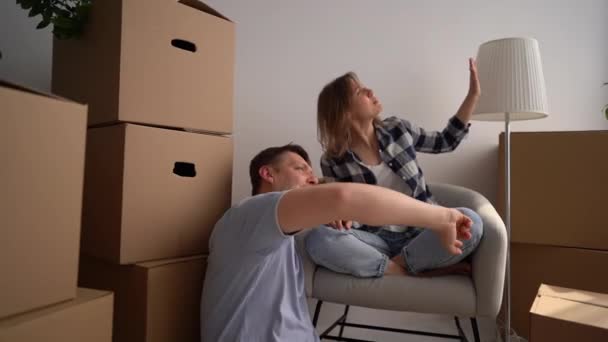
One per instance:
(364, 104)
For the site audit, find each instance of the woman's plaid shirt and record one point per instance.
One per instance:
(398, 140)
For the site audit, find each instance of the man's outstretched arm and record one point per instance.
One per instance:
(373, 205)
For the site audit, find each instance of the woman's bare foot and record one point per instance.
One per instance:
(393, 268)
(399, 260)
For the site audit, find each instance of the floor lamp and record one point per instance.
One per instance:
(512, 89)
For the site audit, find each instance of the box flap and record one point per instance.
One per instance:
(159, 263)
(583, 297)
(582, 307)
(7, 84)
(203, 7)
(84, 295)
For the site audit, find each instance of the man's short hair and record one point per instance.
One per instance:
(270, 156)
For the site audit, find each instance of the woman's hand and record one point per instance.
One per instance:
(470, 101)
(457, 227)
(341, 225)
(474, 87)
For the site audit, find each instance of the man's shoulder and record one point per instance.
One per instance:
(267, 198)
(247, 210)
(252, 220)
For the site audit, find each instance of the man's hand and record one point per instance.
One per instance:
(456, 228)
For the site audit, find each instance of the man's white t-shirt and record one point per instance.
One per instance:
(254, 284)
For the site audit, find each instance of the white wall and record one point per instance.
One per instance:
(26, 52)
(413, 54)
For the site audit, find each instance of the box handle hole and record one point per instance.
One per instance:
(184, 169)
(184, 45)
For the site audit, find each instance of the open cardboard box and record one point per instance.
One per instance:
(562, 314)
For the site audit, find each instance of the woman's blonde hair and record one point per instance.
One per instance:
(333, 125)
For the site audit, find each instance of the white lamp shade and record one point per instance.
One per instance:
(511, 79)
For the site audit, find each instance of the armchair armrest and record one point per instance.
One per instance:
(489, 260)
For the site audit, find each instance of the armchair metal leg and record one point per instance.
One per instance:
(475, 329)
(315, 319)
(461, 334)
(346, 307)
(341, 321)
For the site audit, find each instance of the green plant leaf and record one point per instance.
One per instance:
(62, 33)
(83, 10)
(62, 12)
(63, 22)
(606, 112)
(25, 4)
(37, 8)
(44, 23)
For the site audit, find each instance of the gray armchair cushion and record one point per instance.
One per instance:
(453, 295)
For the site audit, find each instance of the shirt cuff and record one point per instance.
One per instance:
(459, 125)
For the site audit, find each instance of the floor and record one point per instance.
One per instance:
(402, 320)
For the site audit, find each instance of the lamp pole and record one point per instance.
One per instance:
(508, 221)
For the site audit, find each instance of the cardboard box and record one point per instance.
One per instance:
(86, 318)
(561, 314)
(558, 188)
(159, 62)
(532, 265)
(153, 193)
(154, 301)
(42, 142)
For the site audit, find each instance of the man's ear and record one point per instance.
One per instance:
(266, 174)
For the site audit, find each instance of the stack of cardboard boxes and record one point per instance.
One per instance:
(158, 78)
(42, 142)
(559, 230)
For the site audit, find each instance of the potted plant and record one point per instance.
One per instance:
(67, 16)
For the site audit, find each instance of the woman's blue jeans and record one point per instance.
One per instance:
(365, 251)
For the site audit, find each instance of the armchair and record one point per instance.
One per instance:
(478, 295)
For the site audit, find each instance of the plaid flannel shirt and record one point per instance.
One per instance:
(399, 140)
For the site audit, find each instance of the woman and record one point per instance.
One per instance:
(360, 147)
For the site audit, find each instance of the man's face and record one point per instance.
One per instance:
(290, 172)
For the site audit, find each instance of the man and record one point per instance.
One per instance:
(254, 286)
